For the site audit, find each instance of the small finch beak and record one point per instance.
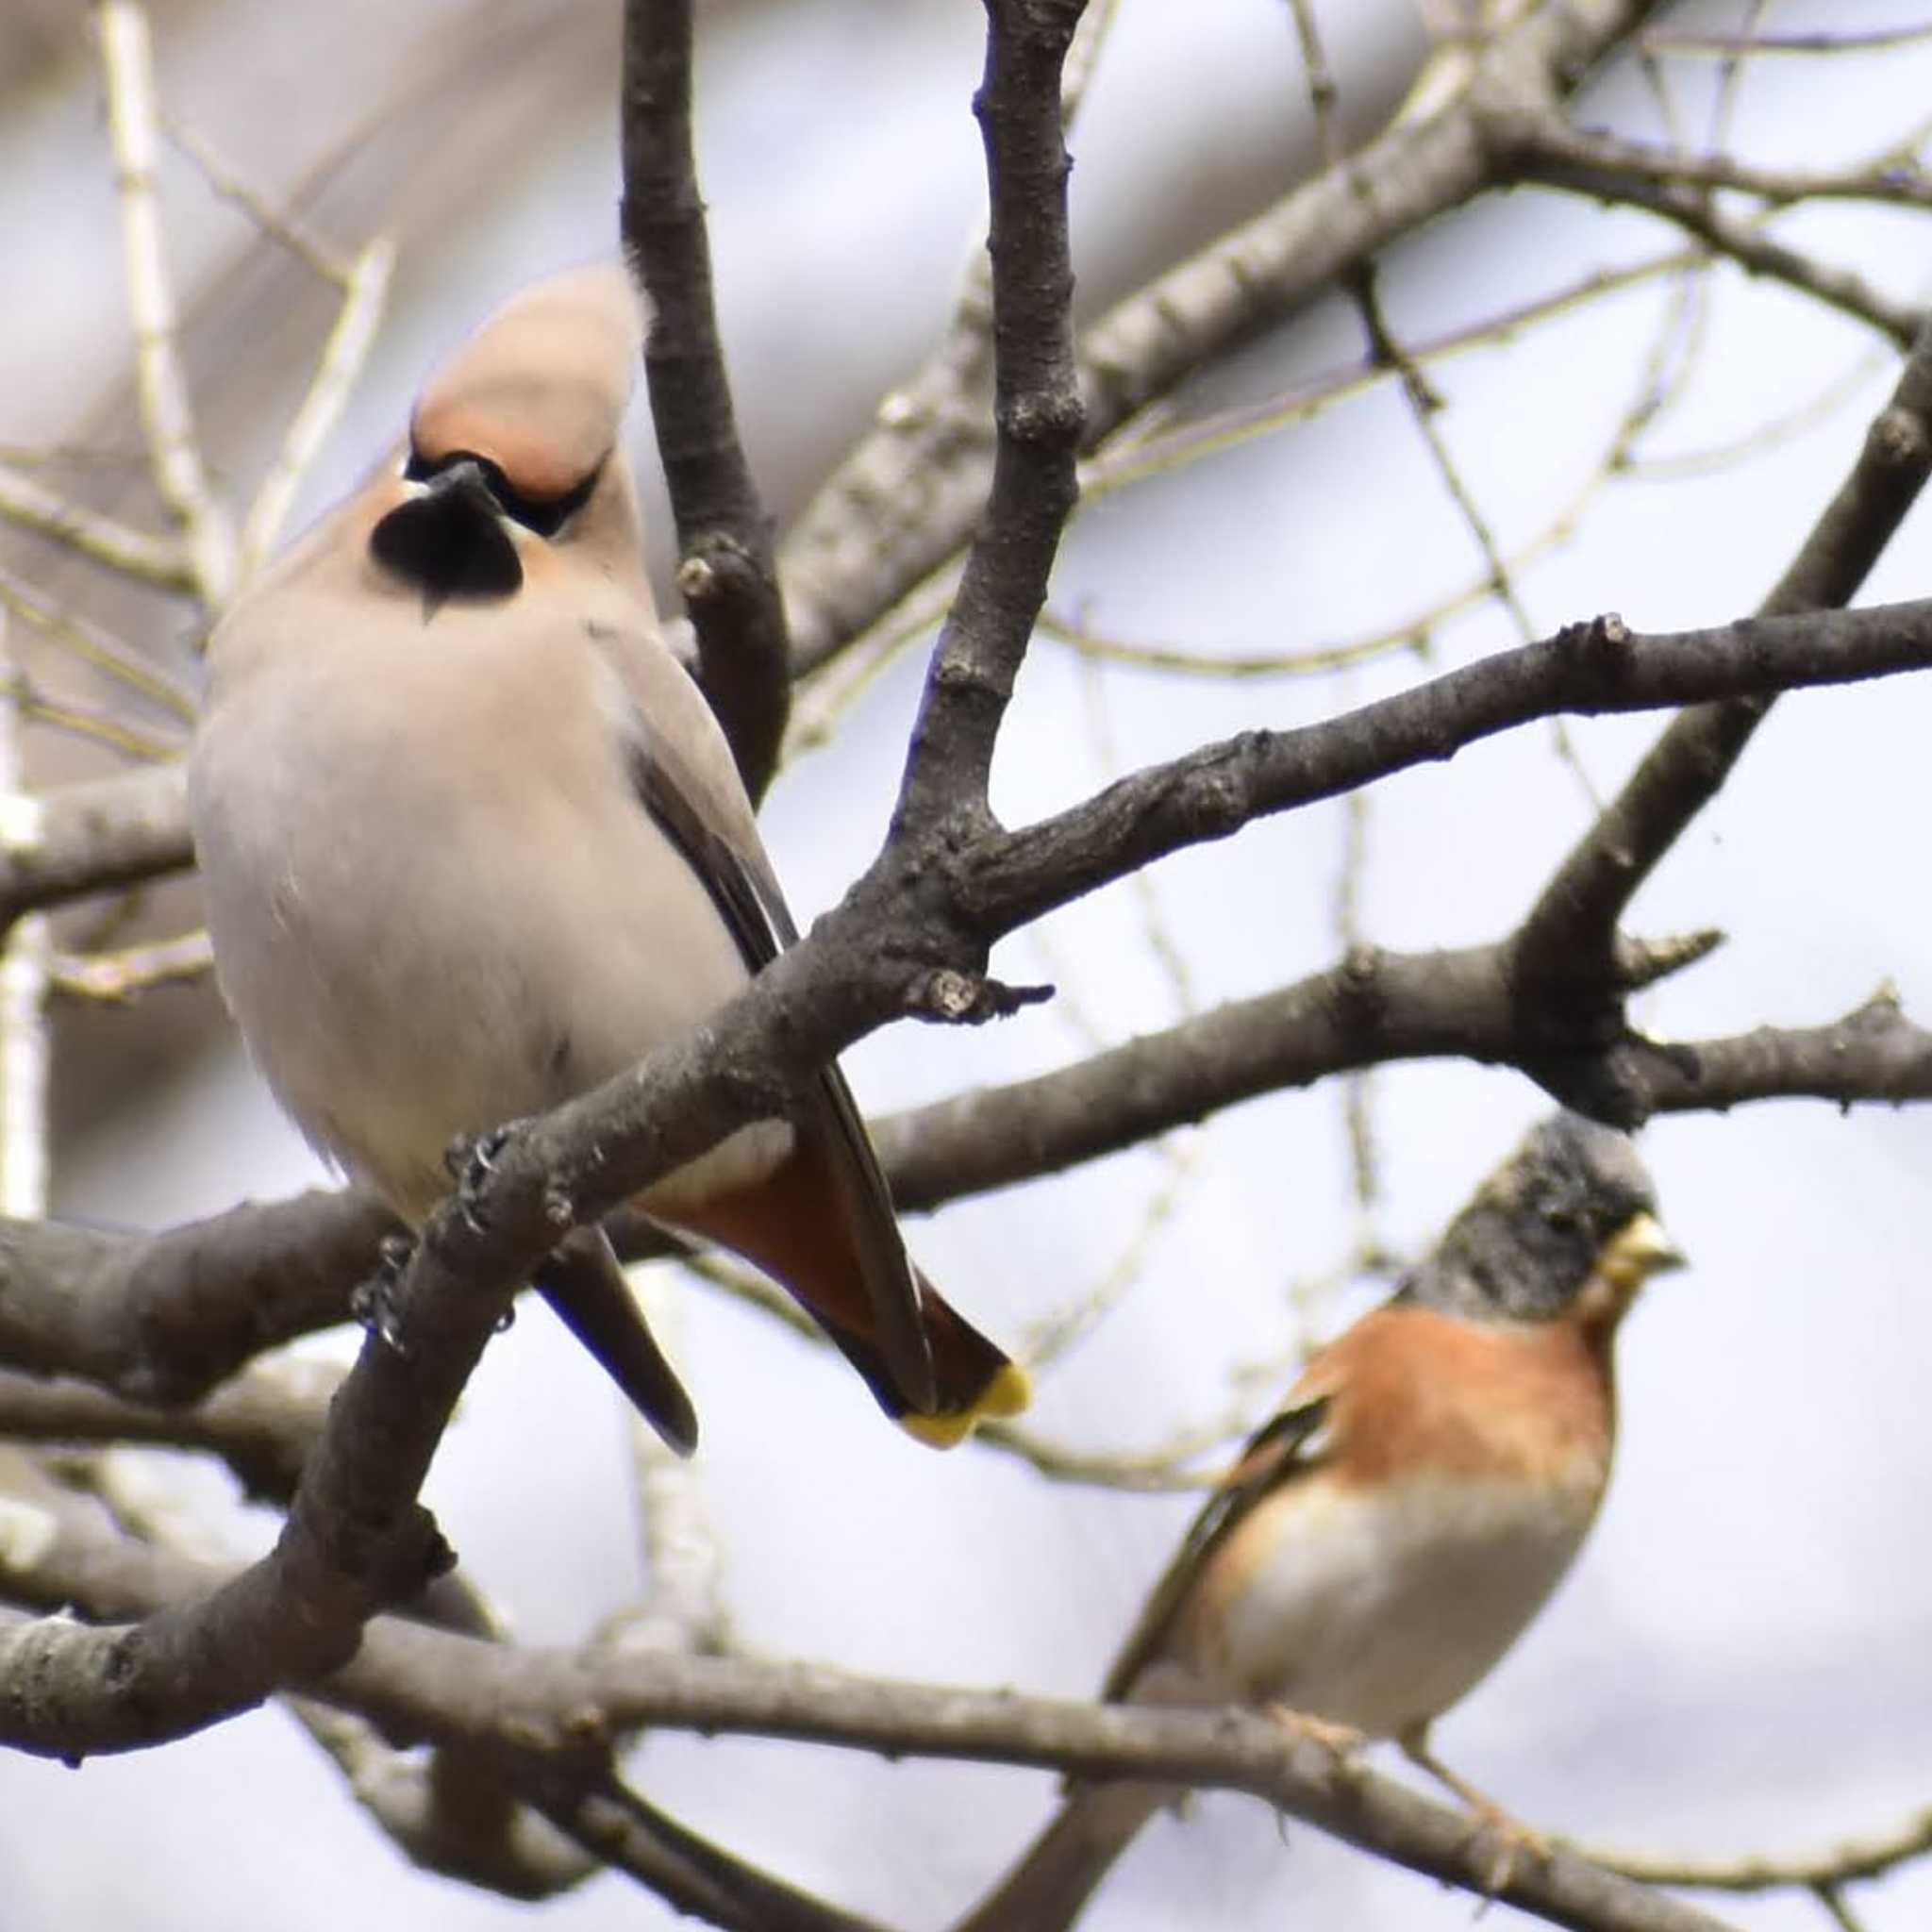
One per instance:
(1637, 1250)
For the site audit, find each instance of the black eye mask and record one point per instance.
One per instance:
(544, 515)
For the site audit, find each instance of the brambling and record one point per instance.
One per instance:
(1387, 1537)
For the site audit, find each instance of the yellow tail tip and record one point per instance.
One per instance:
(1008, 1394)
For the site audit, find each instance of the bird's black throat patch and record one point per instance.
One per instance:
(450, 542)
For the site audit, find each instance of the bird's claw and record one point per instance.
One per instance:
(1342, 1743)
(1511, 1840)
(1487, 1819)
(372, 1303)
(471, 1159)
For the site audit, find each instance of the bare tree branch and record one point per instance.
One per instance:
(1573, 923)
(728, 574)
(447, 1812)
(1544, 154)
(1036, 417)
(905, 499)
(633, 1836)
(480, 1808)
(263, 1423)
(93, 836)
(122, 977)
(160, 1319)
(1844, 1863)
(118, 831)
(171, 1314)
(1729, 46)
(356, 1538)
(1592, 156)
(173, 451)
(163, 562)
(157, 1320)
(560, 1706)
(365, 290)
(1586, 669)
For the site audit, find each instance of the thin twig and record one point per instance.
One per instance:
(1847, 1862)
(26, 1041)
(1745, 243)
(94, 647)
(1424, 407)
(909, 496)
(320, 261)
(1576, 914)
(174, 452)
(1592, 153)
(164, 561)
(632, 1836)
(119, 977)
(1322, 95)
(1732, 46)
(365, 288)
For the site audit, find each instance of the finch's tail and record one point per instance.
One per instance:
(1047, 1888)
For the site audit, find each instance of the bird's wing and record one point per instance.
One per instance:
(702, 812)
(1284, 1448)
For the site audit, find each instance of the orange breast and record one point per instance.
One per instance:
(1458, 1472)
(1413, 1387)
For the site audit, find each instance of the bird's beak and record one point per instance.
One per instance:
(1637, 1250)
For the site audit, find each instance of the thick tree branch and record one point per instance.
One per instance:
(1586, 669)
(1874, 1053)
(113, 833)
(476, 1809)
(1372, 1008)
(356, 1538)
(131, 1314)
(93, 836)
(164, 1320)
(536, 1696)
(70, 1691)
(562, 1707)
(160, 1319)
(78, 1303)
(727, 572)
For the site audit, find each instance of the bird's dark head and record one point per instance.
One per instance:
(1572, 1210)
